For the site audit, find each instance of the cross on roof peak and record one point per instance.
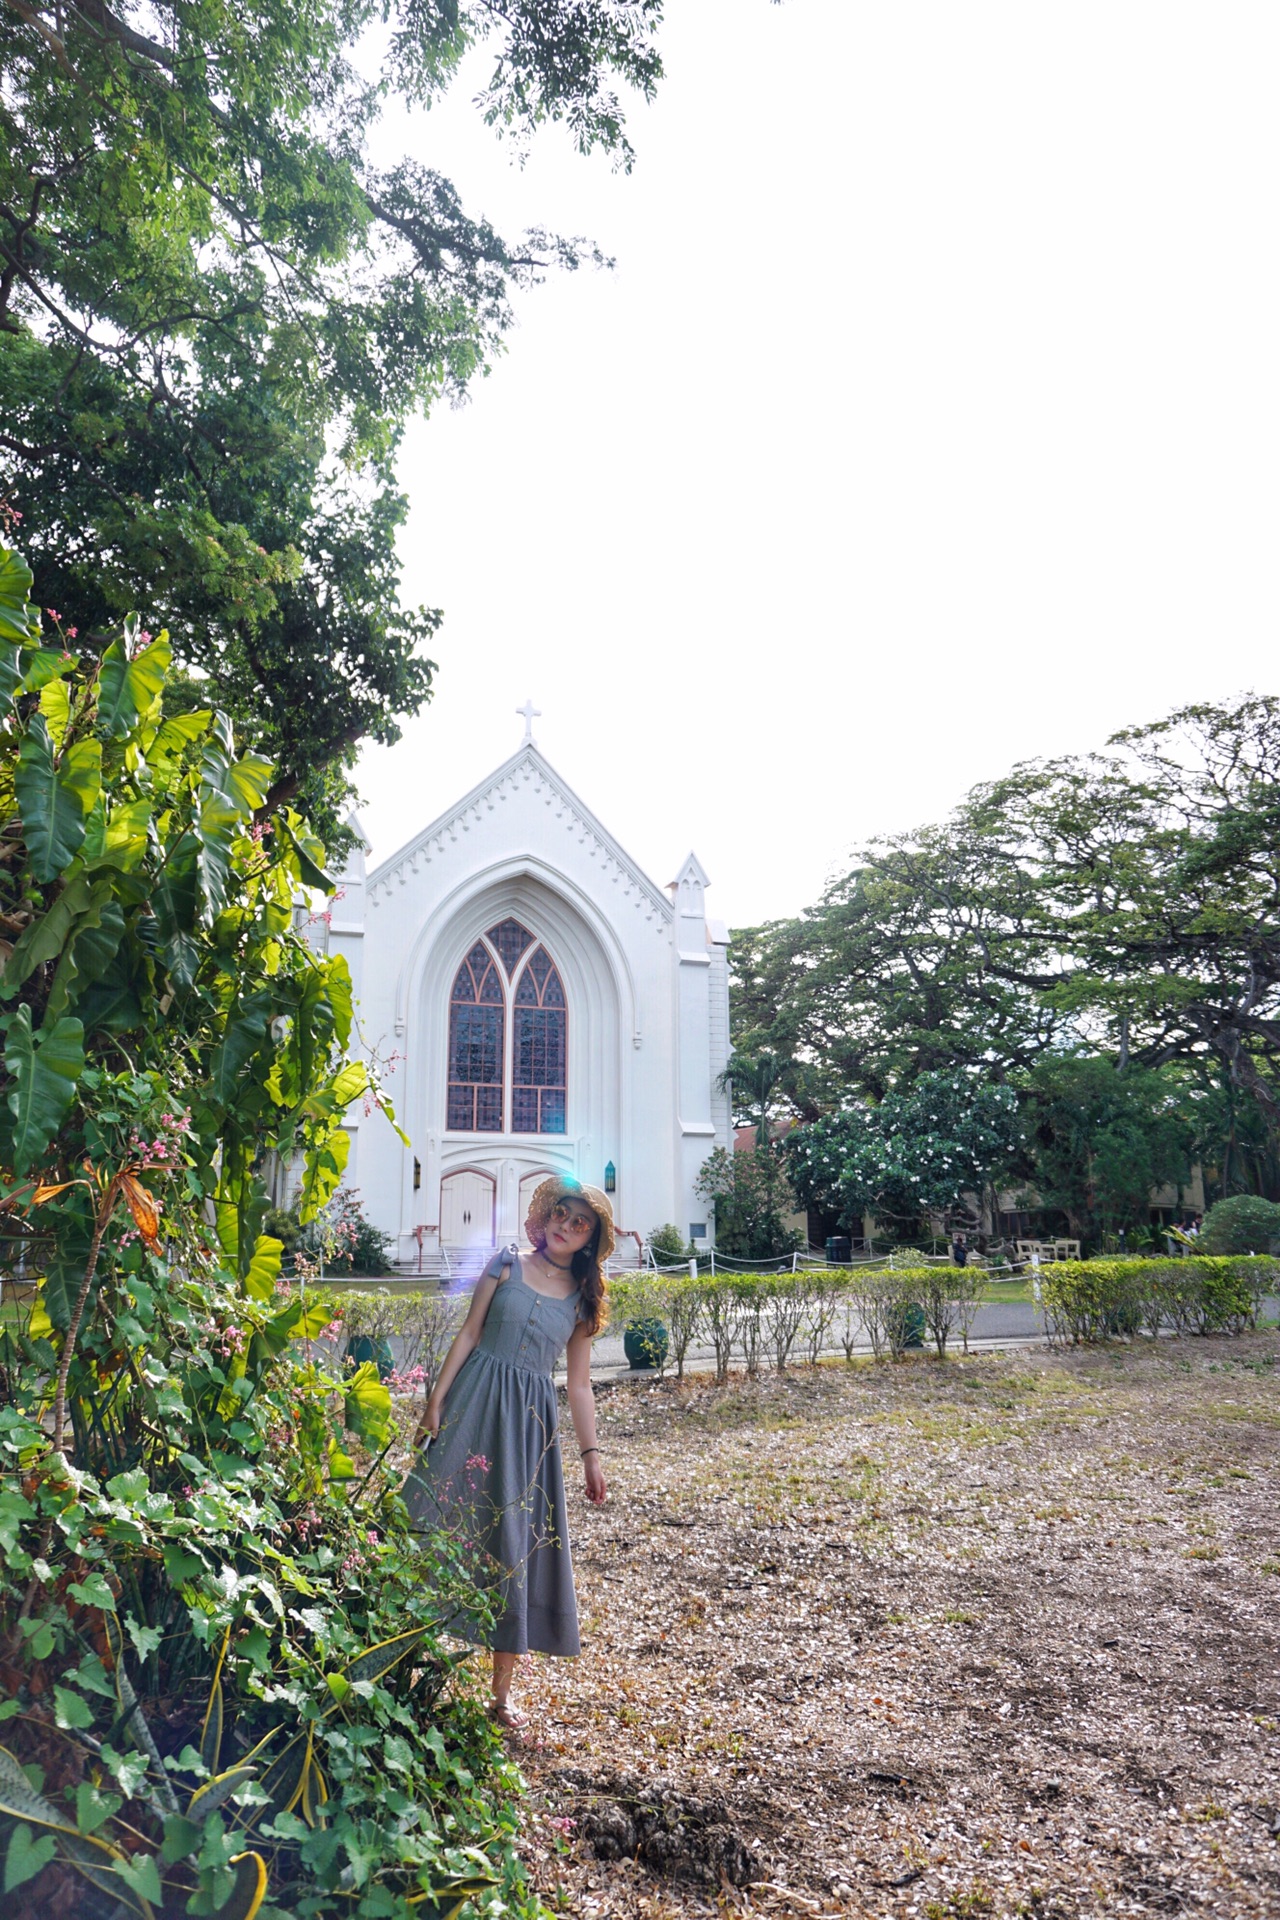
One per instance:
(529, 713)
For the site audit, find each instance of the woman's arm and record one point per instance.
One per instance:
(464, 1342)
(582, 1406)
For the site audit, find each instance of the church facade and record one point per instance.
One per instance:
(546, 1008)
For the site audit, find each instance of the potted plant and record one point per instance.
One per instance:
(645, 1344)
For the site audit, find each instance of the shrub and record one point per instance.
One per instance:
(1242, 1224)
(668, 1245)
(1093, 1300)
(341, 1240)
(422, 1321)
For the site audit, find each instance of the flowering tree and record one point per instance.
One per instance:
(919, 1151)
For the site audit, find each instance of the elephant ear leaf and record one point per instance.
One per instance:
(55, 801)
(249, 1891)
(367, 1410)
(127, 688)
(44, 1068)
(19, 621)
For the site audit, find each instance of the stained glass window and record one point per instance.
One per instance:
(538, 1062)
(477, 1010)
(511, 940)
(477, 1032)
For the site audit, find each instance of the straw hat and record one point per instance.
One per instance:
(565, 1187)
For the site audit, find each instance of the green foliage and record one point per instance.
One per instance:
(921, 1149)
(1102, 1141)
(751, 1194)
(1242, 1224)
(1096, 1299)
(212, 1609)
(1120, 905)
(220, 309)
(343, 1240)
(668, 1245)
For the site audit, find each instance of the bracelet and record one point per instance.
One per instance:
(586, 1451)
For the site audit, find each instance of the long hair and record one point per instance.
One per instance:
(589, 1274)
(593, 1309)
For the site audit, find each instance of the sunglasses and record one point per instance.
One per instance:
(572, 1217)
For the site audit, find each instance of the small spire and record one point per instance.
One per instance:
(529, 713)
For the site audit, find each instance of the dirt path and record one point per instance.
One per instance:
(996, 1637)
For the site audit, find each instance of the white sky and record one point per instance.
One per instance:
(930, 421)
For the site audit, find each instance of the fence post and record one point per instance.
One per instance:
(693, 1269)
(713, 1263)
(794, 1257)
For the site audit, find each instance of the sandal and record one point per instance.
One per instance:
(510, 1718)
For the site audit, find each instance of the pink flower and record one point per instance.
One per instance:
(52, 612)
(72, 632)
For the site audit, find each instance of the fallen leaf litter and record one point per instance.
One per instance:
(995, 1637)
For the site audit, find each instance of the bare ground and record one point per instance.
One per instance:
(998, 1636)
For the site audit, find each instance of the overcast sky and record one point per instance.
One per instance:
(929, 421)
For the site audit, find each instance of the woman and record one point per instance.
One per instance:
(491, 1463)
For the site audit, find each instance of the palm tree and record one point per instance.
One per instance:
(754, 1078)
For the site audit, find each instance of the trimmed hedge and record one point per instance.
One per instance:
(759, 1318)
(1087, 1300)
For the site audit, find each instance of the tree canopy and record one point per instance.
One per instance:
(1119, 907)
(217, 313)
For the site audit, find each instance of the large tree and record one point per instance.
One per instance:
(1125, 905)
(217, 313)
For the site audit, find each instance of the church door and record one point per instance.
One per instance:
(528, 1187)
(466, 1209)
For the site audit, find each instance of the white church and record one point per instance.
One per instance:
(549, 1010)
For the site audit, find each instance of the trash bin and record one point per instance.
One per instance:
(839, 1250)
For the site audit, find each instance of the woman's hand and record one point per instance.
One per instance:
(595, 1479)
(429, 1425)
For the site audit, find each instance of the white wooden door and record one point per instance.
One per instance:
(466, 1209)
(528, 1187)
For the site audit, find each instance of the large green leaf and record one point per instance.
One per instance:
(54, 801)
(176, 733)
(219, 823)
(126, 687)
(367, 1410)
(47, 935)
(308, 852)
(87, 954)
(55, 705)
(176, 896)
(245, 1033)
(324, 1166)
(19, 620)
(264, 1268)
(44, 1068)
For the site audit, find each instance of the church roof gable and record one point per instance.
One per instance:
(525, 765)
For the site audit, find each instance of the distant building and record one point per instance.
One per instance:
(551, 1010)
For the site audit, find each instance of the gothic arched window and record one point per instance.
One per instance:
(477, 1022)
(538, 1048)
(492, 1084)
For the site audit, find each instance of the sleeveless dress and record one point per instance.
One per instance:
(494, 1473)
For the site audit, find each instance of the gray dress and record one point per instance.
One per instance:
(494, 1474)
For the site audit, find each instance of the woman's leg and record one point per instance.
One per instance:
(504, 1666)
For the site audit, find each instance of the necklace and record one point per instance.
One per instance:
(555, 1264)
